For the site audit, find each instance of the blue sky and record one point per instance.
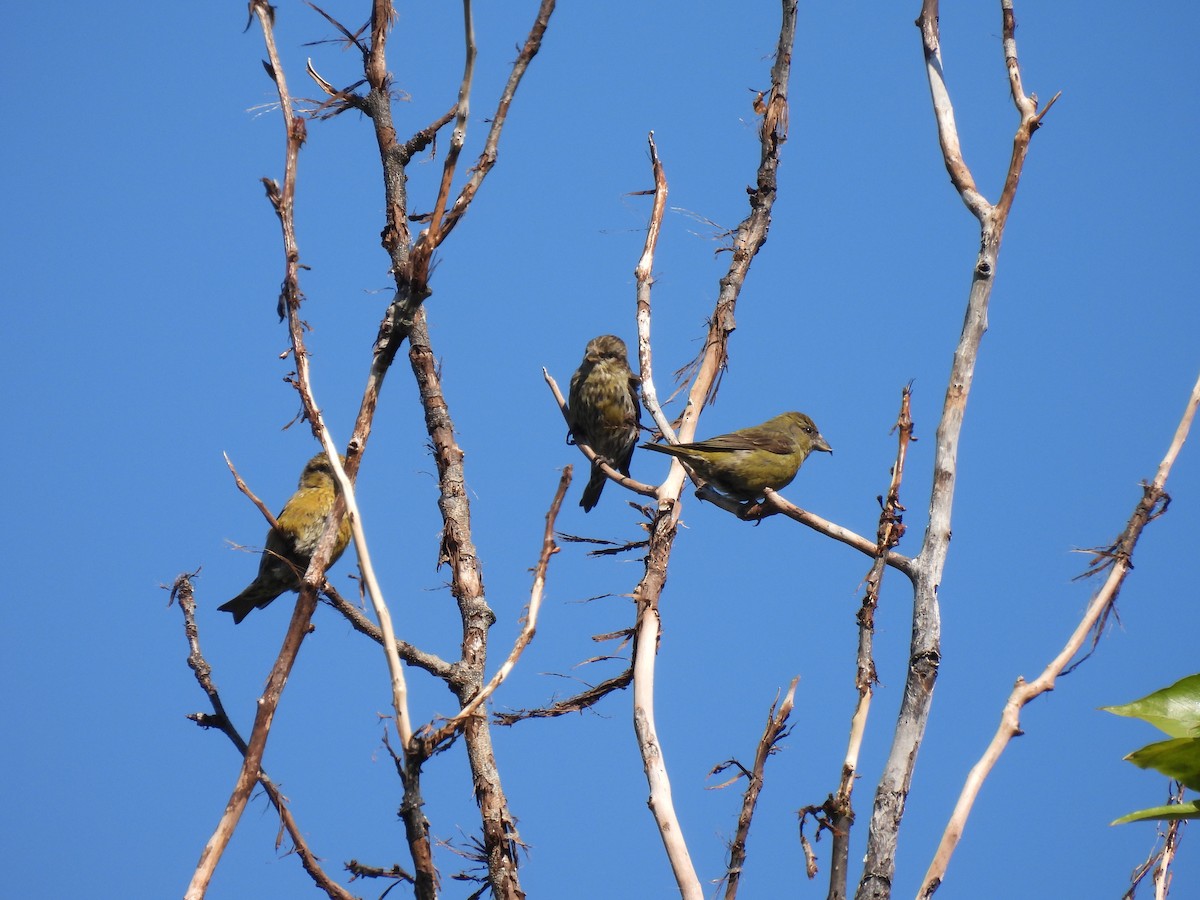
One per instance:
(142, 264)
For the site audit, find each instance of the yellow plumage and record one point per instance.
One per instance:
(290, 547)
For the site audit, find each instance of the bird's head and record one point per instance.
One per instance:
(804, 431)
(606, 346)
(318, 472)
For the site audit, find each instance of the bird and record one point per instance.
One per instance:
(744, 463)
(290, 547)
(603, 410)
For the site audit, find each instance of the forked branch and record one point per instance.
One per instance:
(183, 592)
(748, 239)
(925, 647)
(289, 304)
(529, 629)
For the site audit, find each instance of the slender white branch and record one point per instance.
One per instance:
(661, 803)
(646, 641)
(774, 500)
(943, 111)
(643, 273)
(1024, 693)
(395, 669)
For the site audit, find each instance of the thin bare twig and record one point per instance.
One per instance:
(1159, 861)
(775, 730)
(430, 662)
(644, 275)
(371, 583)
(362, 870)
(1025, 692)
(774, 501)
(426, 135)
(241, 486)
(577, 703)
(489, 155)
(429, 241)
(183, 591)
(549, 548)
(891, 529)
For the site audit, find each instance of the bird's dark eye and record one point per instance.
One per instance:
(808, 429)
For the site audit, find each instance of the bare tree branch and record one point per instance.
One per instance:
(362, 870)
(748, 239)
(241, 486)
(409, 262)
(774, 502)
(433, 237)
(577, 703)
(290, 297)
(549, 548)
(891, 528)
(371, 583)
(411, 291)
(430, 662)
(1025, 692)
(183, 592)
(487, 159)
(1159, 861)
(646, 597)
(644, 275)
(925, 646)
(500, 838)
(775, 730)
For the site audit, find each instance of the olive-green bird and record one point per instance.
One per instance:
(744, 463)
(291, 546)
(603, 411)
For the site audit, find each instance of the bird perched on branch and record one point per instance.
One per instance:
(290, 547)
(603, 411)
(743, 463)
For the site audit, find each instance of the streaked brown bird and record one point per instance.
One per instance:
(290, 547)
(743, 463)
(603, 410)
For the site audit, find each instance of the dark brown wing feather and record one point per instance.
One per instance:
(748, 439)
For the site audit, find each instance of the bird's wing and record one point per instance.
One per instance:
(749, 439)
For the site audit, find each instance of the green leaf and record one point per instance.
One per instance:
(1174, 710)
(1172, 811)
(1178, 758)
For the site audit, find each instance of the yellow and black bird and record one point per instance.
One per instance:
(290, 547)
(743, 463)
(603, 410)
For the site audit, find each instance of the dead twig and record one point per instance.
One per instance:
(183, 591)
(776, 729)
